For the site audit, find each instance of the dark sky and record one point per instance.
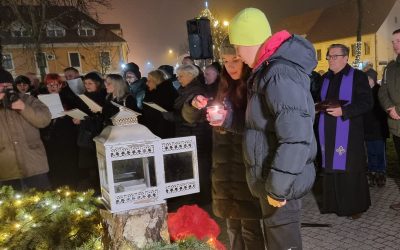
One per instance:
(153, 27)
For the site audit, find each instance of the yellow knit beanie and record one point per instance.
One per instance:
(249, 27)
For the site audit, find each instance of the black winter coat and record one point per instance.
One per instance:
(60, 141)
(109, 110)
(375, 121)
(231, 196)
(164, 96)
(279, 142)
(88, 128)
(201, 129)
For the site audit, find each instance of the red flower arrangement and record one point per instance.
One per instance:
(192, 221)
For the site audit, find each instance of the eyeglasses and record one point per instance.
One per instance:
(333, 57)
(53, 84)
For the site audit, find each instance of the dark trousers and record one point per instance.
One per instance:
(376, 155)
(245, 234)
(283, 237)
(396, 141)
(40, 181)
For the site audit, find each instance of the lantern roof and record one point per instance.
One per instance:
(134, 133)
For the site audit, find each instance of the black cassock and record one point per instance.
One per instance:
(346, 192)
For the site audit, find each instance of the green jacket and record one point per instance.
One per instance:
(389, 93)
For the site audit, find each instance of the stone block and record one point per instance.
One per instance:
(134, 229)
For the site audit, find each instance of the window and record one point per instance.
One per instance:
(41, 60)
(18, 30)
(367, 48)
(41, 63)
(19, 33)
(84, 31)
(353, 49)
(53, 30)
(105, 59)
(318, 54)
(74, 59)
(7, 62)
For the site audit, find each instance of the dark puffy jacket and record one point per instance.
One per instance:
(279, 143)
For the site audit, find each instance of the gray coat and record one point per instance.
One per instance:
(279, 142)
(389, 93)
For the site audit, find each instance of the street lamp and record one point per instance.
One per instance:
(226, 23)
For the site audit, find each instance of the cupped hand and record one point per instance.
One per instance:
(275, 203)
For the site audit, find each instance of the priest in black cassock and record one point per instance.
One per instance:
(341, 136)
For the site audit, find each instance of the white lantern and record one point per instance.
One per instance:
(139, 169)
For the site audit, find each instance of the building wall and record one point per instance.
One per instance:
(322, 48)
(58, 58)
(384, 47)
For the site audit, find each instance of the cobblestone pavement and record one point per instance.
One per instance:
(378, 228)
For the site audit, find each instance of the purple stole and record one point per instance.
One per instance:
(342, 127)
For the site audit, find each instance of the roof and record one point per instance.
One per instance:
(338, 21)
(69, 18)
(112, 26)
(299, 24)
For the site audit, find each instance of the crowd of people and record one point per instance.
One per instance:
(257, 160)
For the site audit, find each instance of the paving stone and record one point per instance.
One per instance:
(378, 228)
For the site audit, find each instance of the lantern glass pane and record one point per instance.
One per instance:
(134, 174)
(178, 167)
(103, 173)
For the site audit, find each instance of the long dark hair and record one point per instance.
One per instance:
(234, 90)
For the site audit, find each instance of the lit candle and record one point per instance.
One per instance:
(214, 114)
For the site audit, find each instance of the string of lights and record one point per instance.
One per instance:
(49, 219)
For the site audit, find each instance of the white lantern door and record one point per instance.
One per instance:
(180, 166)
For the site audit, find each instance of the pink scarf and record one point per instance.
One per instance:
(271, 46)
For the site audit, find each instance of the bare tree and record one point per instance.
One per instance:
(34, 16)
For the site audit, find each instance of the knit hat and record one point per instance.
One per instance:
(5, 76)
(249, 27)
(227, 48)
(132, 67)
(168, 69)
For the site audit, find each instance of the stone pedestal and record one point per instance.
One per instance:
(134, 229)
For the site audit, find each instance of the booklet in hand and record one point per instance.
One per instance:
(155, 106)
(93, 106)
(76, 114)
(322, 106)
(53, 102)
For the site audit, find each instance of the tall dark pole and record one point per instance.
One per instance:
(357, 59)
(1, 53)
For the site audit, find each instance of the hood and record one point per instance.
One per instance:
(138, 85)
(294, 48)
